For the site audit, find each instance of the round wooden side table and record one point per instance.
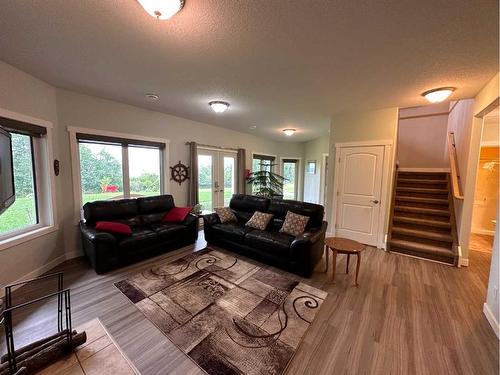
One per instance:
(339, 245)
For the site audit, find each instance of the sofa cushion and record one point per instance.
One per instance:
(158, 203)
(272, 242)
(170, 230)
(259, 220)
(123, 210)
(140, 238)
(315, 211)
(294, 224)
(176, 215)
(231, 231)
(248, 203)
(113, 227)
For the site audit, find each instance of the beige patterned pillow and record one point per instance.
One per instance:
(259, 220)
(294, 224)
(226, 215)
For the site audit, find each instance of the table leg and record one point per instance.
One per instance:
(357, 267)
(334, 264)
(347, 264)
(326, 259)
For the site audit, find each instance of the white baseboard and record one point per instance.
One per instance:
(492, 320)
(483, 231)
(74, 254)
(464, 262)
(431, 170)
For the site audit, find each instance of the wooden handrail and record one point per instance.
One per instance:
(455, 173)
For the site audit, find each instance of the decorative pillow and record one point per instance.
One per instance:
(176, 215)
(226, 215)
(294, 224)
(113, 227)
(259, 220)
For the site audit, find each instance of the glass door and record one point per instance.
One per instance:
(216, 178)
(290, 172)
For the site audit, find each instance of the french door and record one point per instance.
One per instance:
(216, 178)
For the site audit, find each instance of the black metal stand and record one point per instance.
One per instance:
(9, 309)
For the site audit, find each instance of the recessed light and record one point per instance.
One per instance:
(289, 132)
(438, 95)
(152, 96)
(219, 106)
(252, 127)
(162, 9)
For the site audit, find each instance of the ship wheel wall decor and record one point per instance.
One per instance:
(179, 173)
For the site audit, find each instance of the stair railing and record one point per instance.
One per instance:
(455, 173)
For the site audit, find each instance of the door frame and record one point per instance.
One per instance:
(322, 188)
(388, 166)
(299, 182)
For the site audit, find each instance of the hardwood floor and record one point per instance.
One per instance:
(408, 316)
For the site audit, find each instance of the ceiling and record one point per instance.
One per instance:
(280, 63)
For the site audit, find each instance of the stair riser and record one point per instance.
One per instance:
(428, 228)
(437, 206)
(426, 200)
(449, 260)
(421, 194)
(427, 241)
(435, 224)
(434, 185)
(402, 210)
(423, 176)
(422, 233)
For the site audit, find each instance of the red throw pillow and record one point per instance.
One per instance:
(176, 215)
(113, 227)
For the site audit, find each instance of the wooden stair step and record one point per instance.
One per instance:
(422, 210)
(423, 248)
(421, 200)
(423, 175)
(422, 181)
(420, 233)
(421, 190)
(419, 221)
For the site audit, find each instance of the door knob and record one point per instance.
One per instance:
(375, 201)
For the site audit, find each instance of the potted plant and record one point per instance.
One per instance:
(266, 183)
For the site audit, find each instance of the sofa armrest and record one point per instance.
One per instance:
(210, 219)
(92, 235)
(190, 220)
(311, 237)
(308, 248)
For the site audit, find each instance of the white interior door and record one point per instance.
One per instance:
(359, 193)
(216, 178)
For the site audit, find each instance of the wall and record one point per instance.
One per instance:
(358, 127)
(491, 307)
(422, 137)
(491, 131)
(486, 194)
(314, 150)
(22, 93)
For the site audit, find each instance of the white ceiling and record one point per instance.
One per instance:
(280, 63)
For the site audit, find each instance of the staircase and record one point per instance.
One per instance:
(422, 218)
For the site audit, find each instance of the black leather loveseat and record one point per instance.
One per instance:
(150, 236)
(295, 254)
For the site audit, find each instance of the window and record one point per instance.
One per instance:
(263, 163)
(290, 172)
(32, 208)
(114, 168)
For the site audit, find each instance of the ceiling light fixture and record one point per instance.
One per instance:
(252, 127)
(219, 106)
(162, 9)
(289, 132)
(152, 96)
(438, 95)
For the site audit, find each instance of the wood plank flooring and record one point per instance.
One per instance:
(408, 316)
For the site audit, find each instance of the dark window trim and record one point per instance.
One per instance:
(21, 127)
(92, 138)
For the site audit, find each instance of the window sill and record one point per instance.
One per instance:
(18, 239)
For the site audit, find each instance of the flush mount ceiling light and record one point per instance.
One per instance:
(438, 95)
(252, 127)
(289, 132)
(219, 106)
(152, 96)
(162, 9)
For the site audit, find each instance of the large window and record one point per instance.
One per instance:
(114, 168)
(263, 163)
(290, 168)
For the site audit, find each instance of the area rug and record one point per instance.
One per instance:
(229, 315)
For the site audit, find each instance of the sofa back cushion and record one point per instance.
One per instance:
(245, 205)
(279, 208)
(153, 209)
(121, 210)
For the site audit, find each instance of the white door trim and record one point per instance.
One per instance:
(323, 181)
(387, 172)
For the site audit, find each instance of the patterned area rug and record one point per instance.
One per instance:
(229, 315)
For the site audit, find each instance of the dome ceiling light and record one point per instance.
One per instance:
(289, 132)
(218, 106)
(162, 9)
(438, 95)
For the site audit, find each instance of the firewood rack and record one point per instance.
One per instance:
(63, 305)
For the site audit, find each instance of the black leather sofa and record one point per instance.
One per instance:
(150, 236)
(295, 254)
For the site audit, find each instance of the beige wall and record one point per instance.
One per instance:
(21, 93)
(422, 140)
(490, 131)
(359, 127)
(314, 150)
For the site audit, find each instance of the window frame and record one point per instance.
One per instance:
(44, 183)
(298, 174)
(75, 161)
